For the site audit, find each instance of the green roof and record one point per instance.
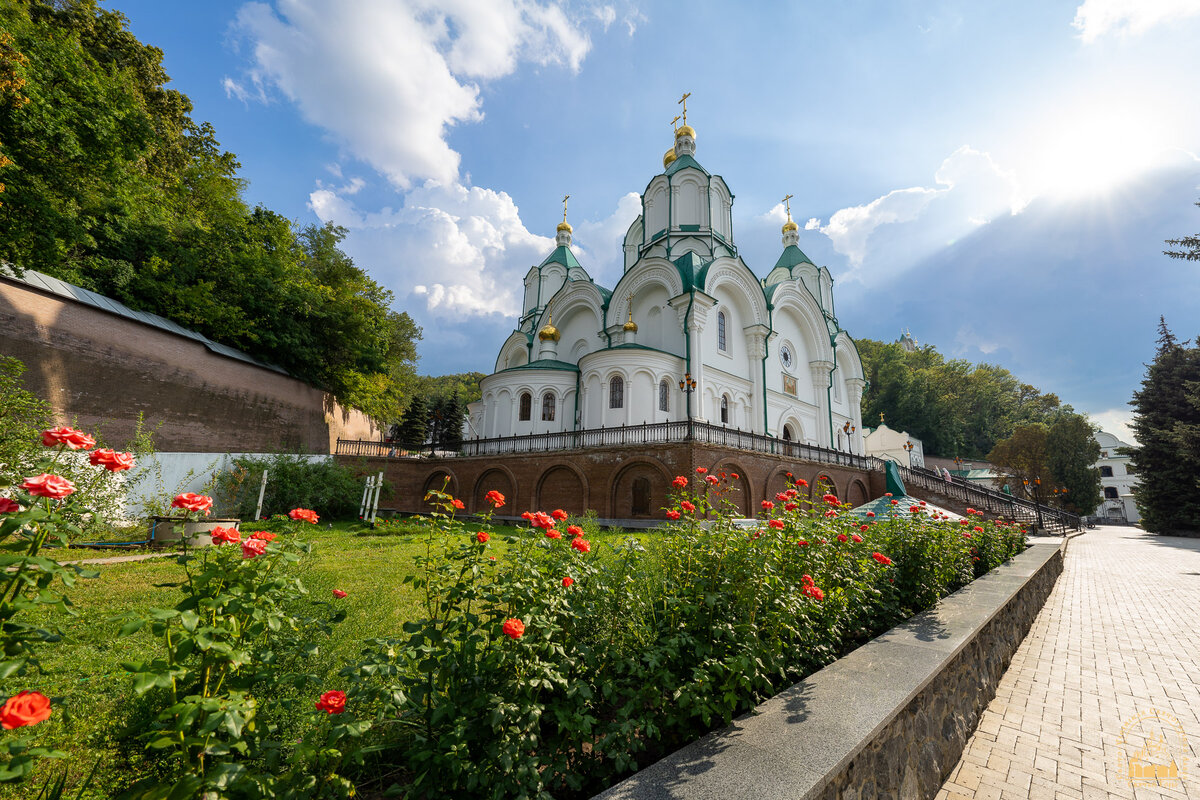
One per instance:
(544, 363)
(791, 256)
(561, 255)
(690, 267)
(683, 162)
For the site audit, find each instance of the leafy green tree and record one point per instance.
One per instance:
(23, 415)
(1071, 455)
(1025, 457)
(1166, 419)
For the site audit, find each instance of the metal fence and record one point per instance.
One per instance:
(992, 502)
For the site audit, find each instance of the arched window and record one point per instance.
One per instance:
(724, 409)
(664, 396)
(1106, 472)
(1110, 493)
(526, 406)
(721, 331)
(616, 392)
(548, 407)
(787, 433)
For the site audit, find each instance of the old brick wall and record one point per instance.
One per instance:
(617, 482)
(101, 369)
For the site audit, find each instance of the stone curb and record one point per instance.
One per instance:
(889, 719)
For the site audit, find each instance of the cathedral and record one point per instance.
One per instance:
(689, 332)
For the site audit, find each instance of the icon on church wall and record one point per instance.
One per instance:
(789, 385)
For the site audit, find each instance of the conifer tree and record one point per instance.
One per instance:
(414, 425)
(1166, 413)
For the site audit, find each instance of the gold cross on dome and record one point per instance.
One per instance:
(566, 197)
(788, 206)
(631, 306)
(880, 417)
(683, 101)
(673, 125)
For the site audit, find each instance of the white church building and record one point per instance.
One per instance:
(762, 355)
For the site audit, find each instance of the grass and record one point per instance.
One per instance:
(90, 690)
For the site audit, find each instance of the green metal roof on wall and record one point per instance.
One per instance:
(690, 267)
(684, 162)
(545, 363)
(791, 256)
(562, 255)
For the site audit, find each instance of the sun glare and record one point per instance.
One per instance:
(1094, 150)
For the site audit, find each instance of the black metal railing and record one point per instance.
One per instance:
(624, 436)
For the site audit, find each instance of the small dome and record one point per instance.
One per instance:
(668, 157)
(563, 226)
(686, 130)
(549, 332)
(630, 326)
(790, 225)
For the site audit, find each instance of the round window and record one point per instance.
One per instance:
(786, 357)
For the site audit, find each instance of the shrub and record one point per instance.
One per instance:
(292, 481)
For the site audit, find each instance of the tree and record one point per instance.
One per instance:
(1166, 419)
(1024, 456)
(1191, 245)
(413, 428)
(1071, 455)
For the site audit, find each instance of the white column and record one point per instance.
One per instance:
(820, 378)
(854, 392)
(756, 348)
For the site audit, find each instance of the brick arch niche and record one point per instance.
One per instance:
(435, 482)
(822, 484)
(562, 487)
(856, 493)
(739, 488)
(639, 491)
(500, 481)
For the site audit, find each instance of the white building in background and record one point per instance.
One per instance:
(767, 355)
(883, 442)
(1116, 481)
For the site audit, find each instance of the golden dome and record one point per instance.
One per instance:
(563, 226)
(548, 331)
(630, 326)
(790, 226)
(686, 130)
(668, 157)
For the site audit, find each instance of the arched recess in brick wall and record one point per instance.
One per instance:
(777, 482)
(856, 493)
(652, 481)
(739, 493)
(501, 480)
(434, 483)
(823, 484)
(562, 486)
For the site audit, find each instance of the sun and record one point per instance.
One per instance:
(1091, 150)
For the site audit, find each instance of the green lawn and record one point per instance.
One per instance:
(83, 673)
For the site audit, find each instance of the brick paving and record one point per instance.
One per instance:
(1118, 637)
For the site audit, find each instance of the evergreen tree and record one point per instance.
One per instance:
(1166, 413)
(414, 425)
(454, 414)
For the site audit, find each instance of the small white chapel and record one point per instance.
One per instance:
(689, 331)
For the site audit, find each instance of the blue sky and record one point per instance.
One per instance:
(998, 178)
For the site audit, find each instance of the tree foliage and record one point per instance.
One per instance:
(109, 184)
(1189, 247)
(954, 407)
(1053, 463)
(1166, 423)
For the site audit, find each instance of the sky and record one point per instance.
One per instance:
(997, 178)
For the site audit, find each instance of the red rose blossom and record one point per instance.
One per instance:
(541, 520)
(332, 702)
(73, 439)
(24, 708)
(222, 536)
(913, 509)
(495, 498)
(841, 537)
(482, 537)
(767, 505)
(882, 559)
(734, 476)
(687, 505)
(339, 594)
(458, 504)
(551, 533)
(776, 523)
(679, 482)
(513, 628)
(855, 538)
(978, 529)
(47, 485)
(701, 470)
(190, 501)
(802, 543)
(781, 496)
(265, 536)
(582, 545)
(831, 499)
(558, 514)
(252, 548)
(813, 592)
(801, 482)
(713, 479)
(111, 460)
(567, 581)
(831, 513)
(790, 506)
(304, 514)
(672, 514)
(870, 513)
(8, 506)
(575, 530)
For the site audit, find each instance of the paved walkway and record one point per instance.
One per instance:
(1109, 672)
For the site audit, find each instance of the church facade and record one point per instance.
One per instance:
(689, 331)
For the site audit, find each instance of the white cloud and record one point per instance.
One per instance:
(1117, 421)
(387, 79)
(1096, 18)
(601, 242)
(607, 16)
(970, 190)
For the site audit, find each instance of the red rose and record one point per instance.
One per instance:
(575, 530)
(701, 470)
(895, 502)
(882, 559)
(781, 496)
(252, 548)
(527, 515)
(672, 514)
(332, 702)
(776, 523)
(24, 708)
(831, 500)
(190, 501)
(813, 592)
(966, 535)
(887, 494)
(913, 509)
(686, 505)
(47, 485)
(802, 543)
(713, 479)
(802, 482)
(863, 527)
(790, 506)
(856, 538)
(541, 520)
(495, 498)
(831, 513)
(567, 581)
(110, 460)
(978, 529)
(73, 439)
(553, 534)
(513, 628)
(8, 506)
(870, 513)
(482, 537)
(806, 580)
(841, 537)
(558, 514)
(964, 522)
(734, 476)
(767, 505)
(582, 545)
(679, 482)
(970, 511)
(222, 536)
(339, 594)
(922, 504)
(788, 474)
(264, 535)
(458, 504)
